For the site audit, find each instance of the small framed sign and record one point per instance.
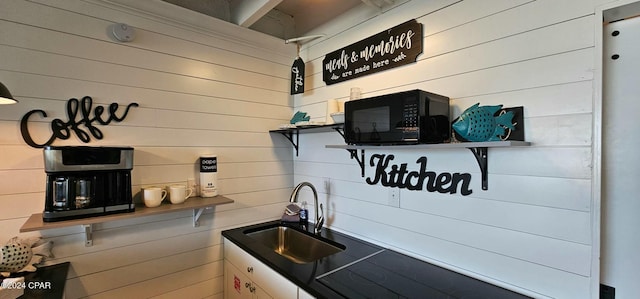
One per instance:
(297, 76)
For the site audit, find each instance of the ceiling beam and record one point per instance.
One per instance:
(247, 12)
(372, 4)
(378, 4)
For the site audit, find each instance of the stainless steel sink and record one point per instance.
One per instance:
(299, 247)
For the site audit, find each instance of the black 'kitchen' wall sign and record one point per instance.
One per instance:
(388, 49)
(399, 176)
(83, 128)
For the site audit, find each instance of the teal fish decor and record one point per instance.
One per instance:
(480, 123)
(299, 116)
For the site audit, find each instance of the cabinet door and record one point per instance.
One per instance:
(268, 279)
(259, 293)
(236, 284)
(274, 283)
(239, 258)
(239, 286)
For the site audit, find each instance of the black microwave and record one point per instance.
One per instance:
(408, 117)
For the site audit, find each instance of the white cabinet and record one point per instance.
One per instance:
(246, 277)
(237, 285)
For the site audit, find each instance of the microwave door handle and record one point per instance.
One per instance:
(375, 135)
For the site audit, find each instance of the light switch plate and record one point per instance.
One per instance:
(394, 197)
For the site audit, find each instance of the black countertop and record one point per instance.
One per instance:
(365, 270)
(47, 282)
(303, 275)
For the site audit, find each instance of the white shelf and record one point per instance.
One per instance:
(293, 134)
(508, 143)
(197, 204)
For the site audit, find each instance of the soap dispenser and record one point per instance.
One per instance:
(304, 213)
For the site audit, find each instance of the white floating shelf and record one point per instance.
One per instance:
(508, 143)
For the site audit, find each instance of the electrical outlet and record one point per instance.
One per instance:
(192, 183)
(394, 197)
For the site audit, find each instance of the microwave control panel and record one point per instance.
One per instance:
(410, 114)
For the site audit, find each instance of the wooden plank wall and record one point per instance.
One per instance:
(199, 92)
(532, 231)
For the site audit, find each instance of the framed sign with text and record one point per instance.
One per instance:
(297, 76)
(388, 49)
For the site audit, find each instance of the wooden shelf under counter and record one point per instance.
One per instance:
(197, 204)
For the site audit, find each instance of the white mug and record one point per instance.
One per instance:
(178, 193)
(153, 196)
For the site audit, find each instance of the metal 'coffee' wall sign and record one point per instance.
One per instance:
(63, 129)
(391, 48)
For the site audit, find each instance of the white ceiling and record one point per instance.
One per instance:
(309, 14)
(284, 19)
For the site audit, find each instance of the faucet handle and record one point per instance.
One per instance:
(319, 221)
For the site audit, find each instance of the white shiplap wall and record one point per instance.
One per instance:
(200, 91)
(533, 230)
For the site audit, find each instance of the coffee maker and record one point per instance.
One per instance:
(87, 181)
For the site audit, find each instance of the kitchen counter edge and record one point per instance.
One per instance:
(304, 275)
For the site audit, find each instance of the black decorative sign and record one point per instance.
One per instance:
(63, 129)
(297, 76)
(400, 177)
(208, 164)
(391, 48)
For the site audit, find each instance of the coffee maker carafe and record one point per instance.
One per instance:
(87, 181)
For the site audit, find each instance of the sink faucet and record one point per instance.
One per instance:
(319, 216)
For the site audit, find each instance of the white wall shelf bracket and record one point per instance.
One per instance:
(88, 235)
(197, 213)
